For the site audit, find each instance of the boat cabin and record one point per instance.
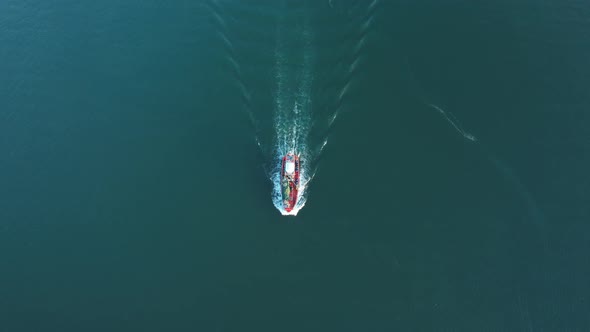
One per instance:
(290, 167)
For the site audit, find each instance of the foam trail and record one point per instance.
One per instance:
(360, 45)
(322, 147)
(455, 123)
(244, 92)
(344, 91)
(226, 42)
(234, 64)
(219, 20)
(367, 23)
(293, 114)
(349, 65)
(332, 119)
(533, 209)
(372, 5)
(354, 64)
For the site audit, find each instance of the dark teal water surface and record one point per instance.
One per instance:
(134, 195)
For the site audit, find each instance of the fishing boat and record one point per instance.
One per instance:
(290, 180)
